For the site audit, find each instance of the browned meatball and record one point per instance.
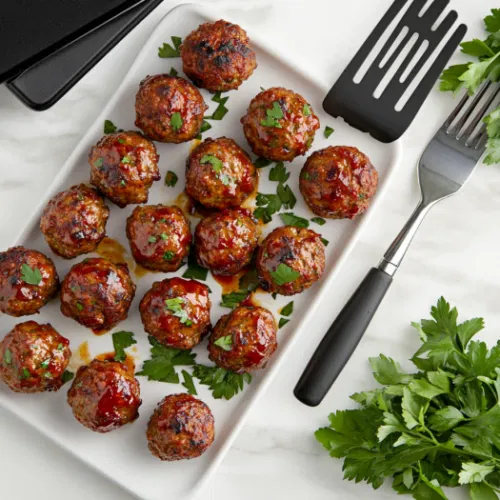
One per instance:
(338, 182)
(243, 340)
(97, 294)
(159, 237)
(217, 56)
(104, 395)
(181, 427)
(28, 280)
(176, 312)
(123, 167)
(290, 260)
(169, 109)
(74, 221)
(33, 358)
(279, 124)
(219, 174)
(226, 241)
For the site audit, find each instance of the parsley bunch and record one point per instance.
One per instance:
(438, 427)
(472, 74)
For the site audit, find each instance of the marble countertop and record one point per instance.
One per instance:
(455, 254)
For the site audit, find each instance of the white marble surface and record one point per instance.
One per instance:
(455, 254)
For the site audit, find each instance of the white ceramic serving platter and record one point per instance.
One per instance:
(123, 455)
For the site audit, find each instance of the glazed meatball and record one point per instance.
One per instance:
(226, 241)
(243, 340)
(159, 237)
(219, 174)
(74, 221)
(290, 260)
(169, 109)
(176, 312)
(217, 56)
(104, 395)
(97, 294)
(338, 182)
(33, 358)
(28, 280)
(279, 124)
(123, 167)
(181, 427)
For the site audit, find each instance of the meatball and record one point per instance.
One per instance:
(217, 56)
(28, 280)
(159, 237)
(338, 182)
(290, 260)
(169, 109)
(176, 312)
(181, 427)
(74, 221)
(225, 241)
(279, 124)
(123, 167)
(97, 294)
(219, 174)
(33, 358)
(243, 340)
(104, 395)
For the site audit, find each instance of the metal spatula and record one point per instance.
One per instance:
(444, 167)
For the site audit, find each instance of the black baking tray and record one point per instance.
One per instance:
(32, 29)
(44, 83)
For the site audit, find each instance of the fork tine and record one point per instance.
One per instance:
(482, 138)
(480, 114)
(446, 24)
(435, 10)
(458, 108)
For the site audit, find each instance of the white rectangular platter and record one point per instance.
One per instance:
(123, 455)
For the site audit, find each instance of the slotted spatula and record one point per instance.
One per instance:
(444, 167)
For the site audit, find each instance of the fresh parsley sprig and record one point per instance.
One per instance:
(169, 51)
(122, 340)
(222, 383)
(31, 276)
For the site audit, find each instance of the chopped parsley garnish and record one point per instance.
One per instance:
(222, 383)
(122, 340)
(225, 342)
(268, 204)
(324, 241)
(164, 236)
(161, 366)
(60, 347)
(188, 383)
(272, 116)
(274, 295)
(25, 373)
(152, 239)
(328, 131)
(279, 173)
(128, 160)
(167, 51)
(175, 307)
(109, 127)
(176, 121)
(221, 109)
(291, 219)
(307, 110)
(250, 280)
(173, 72)
(31, 276)
(99, 162)
(262, 162)
(284, 274)
(67, 376)
(216, 163)
(318, 220)
(287, 310)
(194, 270)
(79, 306)
(283, 322)
(45, 363)
(286, 196)
(233, 299)
(7, 356)
(171, 179)
(168, 255)
(121, 140)
(122, 183)
(204, 127)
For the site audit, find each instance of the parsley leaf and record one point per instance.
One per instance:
(225, 342)
(194, 270)
(171, 179)
(122, 340)
(67, 376)
(272, 116)
(173, 72)
(283, 322)
(216, 163)
(286, 196)
(31, 276)
(262, 162)
(307, 110)
(109, 127)
(233, 299)
(188, 383)
(7, 356)
(204, 127)
(328, 131)
(279, 173)
(319, 221)
(176, 121)
(174, 305)
(268, 204)
(291, 219)
(492, 22)
(221, 109)
(222, 383)
(284, 274)
(324, 241)
(167, 51)
(287, 310)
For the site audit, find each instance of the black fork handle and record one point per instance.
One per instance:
(342, 338)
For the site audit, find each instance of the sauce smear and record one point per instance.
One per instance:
(110, 356)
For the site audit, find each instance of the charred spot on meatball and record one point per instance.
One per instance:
(123, 167)
(279, 124)
(290, 260)
(169, 109)
(74, 221)
(159, 237)
(104, 395)
(181, 428)
(225, 242)
(97, 294)
(28, 280)
(338, 182)
(219, 174)
(249, 335)
(176, 312)
(33, 358)
(217, 56)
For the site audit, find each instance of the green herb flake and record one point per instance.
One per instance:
(233, 299)
(283, 322)
(31, 276)
(122, 183)
(225, 342)
(217, 164)
(173, 72)
(152, 239)
(99, 162)
(262, 162)
(287, 310)
(174, 305)
(45, 363)
(167, 51)
(222, 383)
(284, 274)
(189, 383)
(164, 236)
(176, 121)
(279, 173)
(194, 270)
(67, 376)
(7, 356)
(60, 347)
(324, 241)
(319, 221)
(79, 306)
(286, 196)
(168, 255)
(272, 116)
(121, 140)
(122, 340)
(221, 109)
(307, 110)
(109, 127)
(290, 219)
(328, 132)
(127, 160)
(171, 179)
(25, 373)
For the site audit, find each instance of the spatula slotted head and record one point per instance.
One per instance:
(388, 115)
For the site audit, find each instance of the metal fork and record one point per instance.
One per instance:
(444, 167)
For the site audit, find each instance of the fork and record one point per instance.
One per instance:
(444, 167)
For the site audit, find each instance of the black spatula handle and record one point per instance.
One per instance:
(342, 338)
